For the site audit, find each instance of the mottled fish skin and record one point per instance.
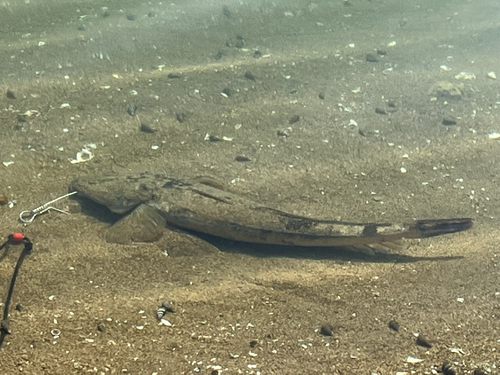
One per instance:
(201, 207)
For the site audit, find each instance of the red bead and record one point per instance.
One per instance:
(17, 237)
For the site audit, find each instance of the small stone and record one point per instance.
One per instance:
(10, 94)
(370, 57)
(101, 327)
(180, 116)
(448, 369)
(3, 199)
(131, 109)
(19, 307)
(380, 111)
(321, 95)
(174, 75)
(242, 158)
(294, 119)
(253, 343)
(326, 330)
(131, 17)
(146, 128)
(447, 121)
(422, 341)
(168, 305)
(394, 325)
(249, 75)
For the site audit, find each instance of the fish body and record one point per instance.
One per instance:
(204, 207)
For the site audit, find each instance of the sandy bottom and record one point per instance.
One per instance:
(327, 133)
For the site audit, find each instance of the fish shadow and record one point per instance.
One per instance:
(316, 253)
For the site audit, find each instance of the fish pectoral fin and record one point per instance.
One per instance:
(144, 224)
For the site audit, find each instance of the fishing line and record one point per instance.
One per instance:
(15, 238)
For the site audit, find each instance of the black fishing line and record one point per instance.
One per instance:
(15, 238)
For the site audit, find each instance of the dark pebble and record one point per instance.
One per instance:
(131, 109)
(219, 54)
(101, 327)
(240, 42)
(227, 92)
(19, 307)
(242, 158)
(391, 104)
(105, 14)
(168, 305)
(283, 133)
(326, 330)
(394, 325)
(174, 75)
(422, 341)
(146, 128)
(370, 57)
(478, 371)
(4, 326)
(3, 200)
(449, 121)
(253, 343)
(214, 138)
(249, 75)
(257, 54)
(321, 96)
(380, 111)
(214, 372)
(225, 11)
(131, 17)
(151, 14)
(381, 52)
(10, 94)
(180, 116)
(448, 369)
(294, 119)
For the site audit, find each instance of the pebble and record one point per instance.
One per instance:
(394, 325)
(294, 119)
(249, 75)
(447, 121)
(3, 200)
(422, 341)
(326, 330)
(494, 135)
(10, 94)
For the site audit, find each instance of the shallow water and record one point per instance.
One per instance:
(369, 145)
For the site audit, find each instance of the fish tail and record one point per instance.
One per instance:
(431, 228)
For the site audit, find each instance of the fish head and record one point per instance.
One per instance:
(120, 194)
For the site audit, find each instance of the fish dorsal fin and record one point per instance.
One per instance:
(144, 224)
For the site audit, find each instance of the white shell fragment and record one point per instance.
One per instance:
(403, 170)
(465, 75)
(492, 75)
(8, 163)
(494, 135)
(83, 156)
(413, 360)
(165, 322)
